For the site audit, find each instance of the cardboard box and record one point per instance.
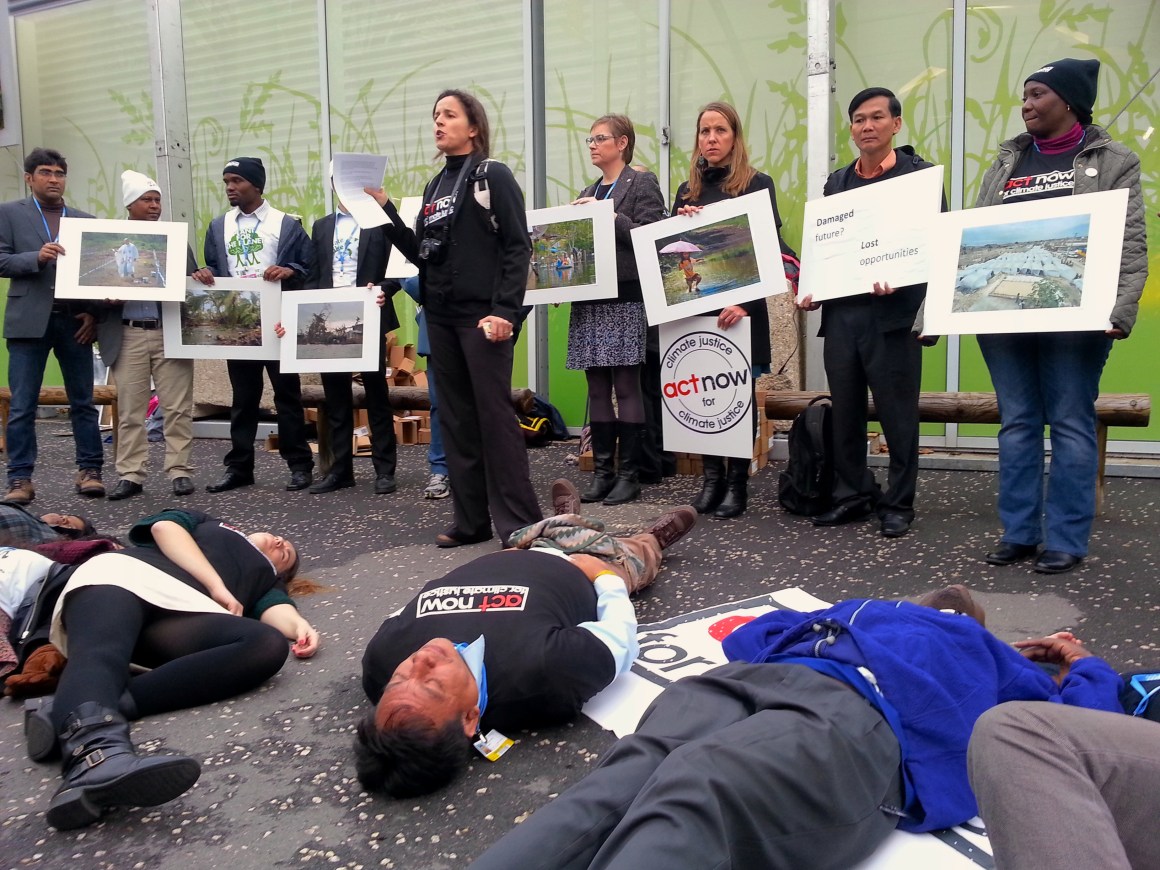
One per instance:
(362, 445)
(586, 461)
(424, 435)
(272, 442)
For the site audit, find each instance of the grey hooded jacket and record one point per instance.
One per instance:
(1115, 167)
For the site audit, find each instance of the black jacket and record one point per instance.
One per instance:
(485, 270)
(900, 308)
(373, 252)
(712, 177)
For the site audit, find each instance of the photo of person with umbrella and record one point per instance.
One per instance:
(686, 250)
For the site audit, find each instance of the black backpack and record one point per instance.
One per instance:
(806, 485)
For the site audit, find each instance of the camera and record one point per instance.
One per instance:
(432, 248)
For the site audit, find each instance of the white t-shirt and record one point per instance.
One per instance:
(252, 240)
(344, 269)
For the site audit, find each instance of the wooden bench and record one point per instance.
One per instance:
(102, 395)
(1112, 409)
(402, 399)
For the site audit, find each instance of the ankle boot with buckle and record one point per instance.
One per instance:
(737, 486)
(712, 486)
(627, 486)
(603, 462)
(40, 734)
(101, 770)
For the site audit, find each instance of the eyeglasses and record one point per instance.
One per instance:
(51, 173)
(599, 140)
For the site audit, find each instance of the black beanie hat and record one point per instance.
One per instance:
(249, 168)
(1075, 82)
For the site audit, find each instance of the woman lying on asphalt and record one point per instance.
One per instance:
(168, 603)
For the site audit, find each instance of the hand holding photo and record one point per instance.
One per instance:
(1043, 266)
(121, 259)
(573, 253)
(233, 319)
(726, 254)
(333, 330)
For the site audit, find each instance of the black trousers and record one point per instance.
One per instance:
(196, 658)
(487, 459)
(336, 387)
(246, 380)
(858, 356)
(745, 766)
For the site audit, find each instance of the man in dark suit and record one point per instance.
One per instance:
(874, 340)
(256, 240)
(35, 322)
(345, 256)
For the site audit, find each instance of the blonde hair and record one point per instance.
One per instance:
(741, 173)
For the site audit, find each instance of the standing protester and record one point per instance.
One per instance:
(132, 346)
(1053, 378)
(471, 245)
(606, 338)
(256, 240)
(36, 323)
(720, 170)
(873, 340)
(345, 256)
(438, 485)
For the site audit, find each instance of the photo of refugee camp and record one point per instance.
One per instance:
(330, 330)
(711, 259)
(563, 255)
(1028, 264)
(116, 260)
(217, 317)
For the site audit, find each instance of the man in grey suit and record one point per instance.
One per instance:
(35, 322)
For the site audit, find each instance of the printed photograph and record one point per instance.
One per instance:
(1025, 265)
(217, 317)
(116, 260)
(330, 330)
(711, 259)
(563, 255)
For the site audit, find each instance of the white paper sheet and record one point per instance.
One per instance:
(353, 172)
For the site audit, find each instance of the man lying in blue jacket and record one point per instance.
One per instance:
(825, 732)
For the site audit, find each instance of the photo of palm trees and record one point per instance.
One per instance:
(217, 317)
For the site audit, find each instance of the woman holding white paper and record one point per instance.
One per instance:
(1053, 378)
(720, 170)
(606, 338)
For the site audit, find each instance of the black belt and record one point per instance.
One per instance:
(143, 324)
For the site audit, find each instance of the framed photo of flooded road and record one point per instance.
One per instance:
(233, 319)
(122, 259)
(1052, 265)
(573, 253)
(331, 330)
(726, 254)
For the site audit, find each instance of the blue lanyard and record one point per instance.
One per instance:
(342, 250)
(608, 193)
(44, 220)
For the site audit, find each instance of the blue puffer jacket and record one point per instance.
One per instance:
(935, 673)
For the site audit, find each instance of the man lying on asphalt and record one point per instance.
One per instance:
(825, 732)
(512, 640)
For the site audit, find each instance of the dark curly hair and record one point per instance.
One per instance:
(411, 755)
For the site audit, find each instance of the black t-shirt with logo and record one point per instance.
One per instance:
(1041, 176)
(541, 668)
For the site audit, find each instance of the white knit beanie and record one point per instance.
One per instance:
(135, 185)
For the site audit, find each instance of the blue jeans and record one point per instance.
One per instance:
(26, 361)
(1052, 379)
(436, 455)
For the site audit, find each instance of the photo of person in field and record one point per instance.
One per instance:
(215, 317)
(330, 330)
(115, 260)
(712, 259)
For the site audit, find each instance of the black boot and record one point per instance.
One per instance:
(102, 771)
(627, 486)
(40, 734)
(603, 462)
(712, 486)
(737, 482)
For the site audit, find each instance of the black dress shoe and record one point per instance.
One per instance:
(328, 483)
(894, 525)
(1055, 562)
(846, 512)
(232, 480)
(300, 480)
(1008, 554)
(125, 489)
(385, 484)
(182, 486)
(455, 538)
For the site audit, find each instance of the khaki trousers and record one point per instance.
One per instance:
(142, 357)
